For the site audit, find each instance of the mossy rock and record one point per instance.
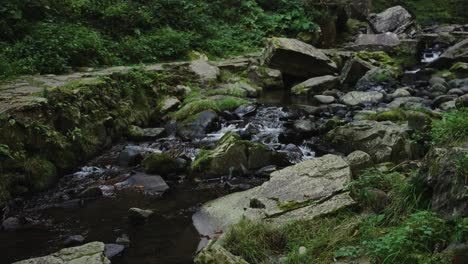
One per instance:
(460, 69)
(379, 59)
(41, 174)
(160, 163)
(233, 155)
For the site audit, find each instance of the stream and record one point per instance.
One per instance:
(168, 236)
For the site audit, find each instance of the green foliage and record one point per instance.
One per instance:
(452, 129)
(45, 36)
(218, 104)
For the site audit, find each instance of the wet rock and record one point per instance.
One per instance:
(316, 85)
(313, 180)
(377, 42)
(160, 163)
(296, 58)
(73, 240)
(169, 104)
(456, 53)
(233, 155)
(359, 161)
(204, 70)
(384, 141)
(441, 174)
(266, 77)
(139, 215)
(151, 184)
(91, 192)
(112, 250)
(245, 110)
(91, 253)
(305, 126)
(395, 19)
(324, 99)
(11, 224)
(129, 157)
(362, 98)
(214, 253)
(354, 70)
(197, 128)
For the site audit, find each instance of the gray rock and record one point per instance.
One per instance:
(354, 70)
(362, 98)
(204, 70)
(202, 123)
(183, 90)
(297, 58)
(462, 101)
(302, 251)
(91, 253)
(249, 89)
(139, 134)
(123, 240)
(408, 102)
(73, 240)
(214, 253)
(448, 105)
(377, 199)
(359, 161)
(324, 99)
(169, 104)
(151, 184)
(442, 99)
(305, 126)
(456, 53)
(395, 19)
(129, 157)
(375, 78)
(376, 42)
(11, 224)
(245, 110)
(442, 175)
(266, 77)
(384, 141)
(137, 214)
(112, 250)
(400, 92)
(313, 180)
(316, 85)
(456, 91)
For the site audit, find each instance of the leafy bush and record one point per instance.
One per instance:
(452, 128)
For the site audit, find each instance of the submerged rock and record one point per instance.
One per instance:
(91, 253)
(296, 58)
(384, 141)
(316, 85)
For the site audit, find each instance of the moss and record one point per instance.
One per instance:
(159, 163)
(41, 174)
(215, 103)
(234, 91)
(202, 161)
(135, 132)
(293, 205)
(460, 70)
(380, 59)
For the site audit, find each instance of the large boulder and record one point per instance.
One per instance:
(204, 69)
(353, 70)
(266, 77)
(395, 19)
(377, 42)
(382, 78)
(233, 155)
(296, 58)
(91, 253)
(444, 172)
(316, 85)
(456, 53)
(384, 141)
(300, 192)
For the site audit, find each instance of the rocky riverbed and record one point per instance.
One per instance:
(156, 162)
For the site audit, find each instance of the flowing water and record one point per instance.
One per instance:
(168, 236)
